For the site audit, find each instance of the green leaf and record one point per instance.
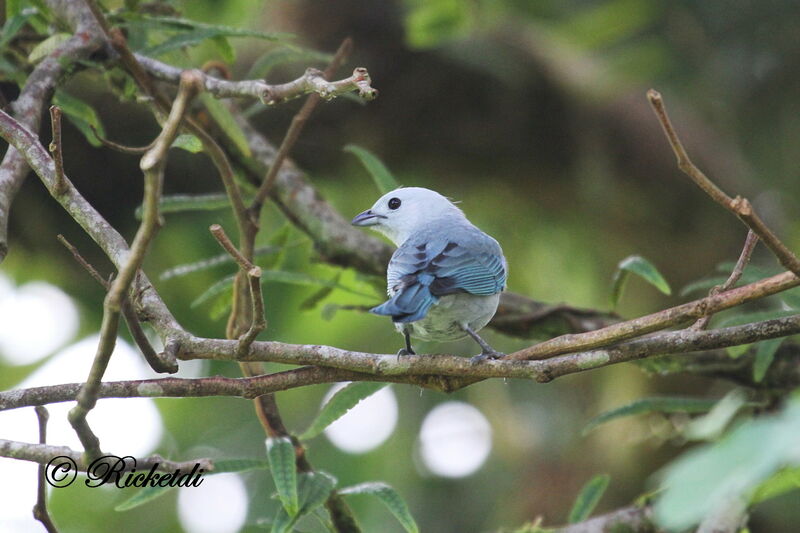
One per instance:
(226, 121)
(282, 462)
(383, 179)
(81, 114)
(588, 498)
(220, 466)
(282, 56)
(711, 425)
(16, 18)
(278, 239)
(298, 278)
(765, 354)
(314, 300)
(652, 405)
(182, 24)
(219, 287)
(430, 22)
(46, 47)
(339, 404)
(176, 203)
(313, 488)
(636, 264)
(390, 497)
(703, 480)
(188, 142)
(783, 481)
(211, 262)
(705, 284)
(224, 47)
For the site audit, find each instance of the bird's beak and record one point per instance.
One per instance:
(367, 218)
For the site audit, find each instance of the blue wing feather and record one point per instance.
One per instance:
(420, 273)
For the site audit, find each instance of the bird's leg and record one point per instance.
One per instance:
(487, 352)
(408, 350)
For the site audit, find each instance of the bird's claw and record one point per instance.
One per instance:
(403, 351)
(483, 356)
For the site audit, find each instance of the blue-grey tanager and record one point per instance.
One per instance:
(445, 278)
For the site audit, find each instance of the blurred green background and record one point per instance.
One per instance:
(533, 115)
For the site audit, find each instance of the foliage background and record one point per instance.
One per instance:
(533, 115)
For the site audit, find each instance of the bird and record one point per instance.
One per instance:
(445, 278)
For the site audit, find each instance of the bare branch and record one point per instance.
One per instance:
(40, 508)
(152, 165)
(747, 250)
(43, 454)
(657, 321)
(36, 94)
(162, 365)
(312, 81)
(226, 243)
(133, 150)
(55, 149)
(634, 519)
(296, 127)
(738, 206)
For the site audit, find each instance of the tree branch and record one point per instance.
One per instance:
(40, 508)
(739, 206)
(312, 81)
(36, 94)
(633, 519)
(44, 453)
(152, 165)
(747, 250)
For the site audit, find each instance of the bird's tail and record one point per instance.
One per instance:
(409, 304)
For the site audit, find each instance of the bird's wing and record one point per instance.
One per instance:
(421, 272)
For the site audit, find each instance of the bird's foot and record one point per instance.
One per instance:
(404, 351)
(486, 354)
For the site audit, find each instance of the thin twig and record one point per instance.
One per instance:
(133, 150)
(226, 243)
(165, 364)
(747, 250)
(56, 151)
(296, 126)
(738, 206)
(152, 165)
(40, 509)
(259, 321)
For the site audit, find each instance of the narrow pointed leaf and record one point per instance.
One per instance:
(15, 22)
(46, 47)
(223, 117)
(313, 488)
(636, 264)
(188, 142)
(765, 354)
(314, 300)
(281, 455)
(281, 56)
(219, 287)
(383, 179)
(176, 203)
(588, 498)
(781, 482)
(220, 466)
(339, 404)
(211, 262)
(652, 405)
(390, 497)
(81, 114)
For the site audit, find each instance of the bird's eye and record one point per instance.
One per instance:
(394, 203)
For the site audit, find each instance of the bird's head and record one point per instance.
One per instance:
(401, 212)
